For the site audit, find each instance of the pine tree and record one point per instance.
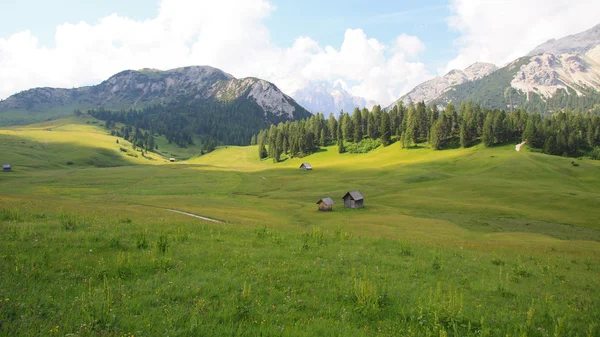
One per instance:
(410, 135)
(499, 127)
(322, 140)
(422, 118)
(488, 130)
(550, 146)
(357, 125)
(437, 135)
(332, 126)
(253, 140)
(347, 128)
(262, 150)
(151, 144)
(341, 147)
(465, 134)
(384, 129)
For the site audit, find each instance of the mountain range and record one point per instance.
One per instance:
(133, 89)
(556, 74)
(432, 89)
(329, 98)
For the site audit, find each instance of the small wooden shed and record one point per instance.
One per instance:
(306, 167)
(6, 167)
(354, 199)
(325, 204)
(172, 160)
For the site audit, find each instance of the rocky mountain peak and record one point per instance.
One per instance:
(329, 98)
(138, 88)
(432, 89)
(579, 43)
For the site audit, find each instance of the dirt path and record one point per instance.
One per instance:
(193, 215)
(518, 147)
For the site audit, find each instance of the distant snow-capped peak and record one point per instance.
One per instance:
(329, 98)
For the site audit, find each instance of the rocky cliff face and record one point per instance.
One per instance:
(570, 65)
(434, 88)
(547, 73)
(135, 89)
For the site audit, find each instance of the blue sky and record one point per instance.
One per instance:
(324, 21)
(380, 49)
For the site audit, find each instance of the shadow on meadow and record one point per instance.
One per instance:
(27, 155)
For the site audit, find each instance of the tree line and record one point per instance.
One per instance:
(564, 133)
(183, 122)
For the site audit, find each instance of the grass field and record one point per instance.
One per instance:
(465, 242)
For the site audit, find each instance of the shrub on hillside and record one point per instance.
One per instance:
(364, 146)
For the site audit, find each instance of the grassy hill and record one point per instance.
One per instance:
(469, 242)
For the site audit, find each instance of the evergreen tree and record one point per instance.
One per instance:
(488, 130)
(151, 144)
(322, 140)
(384, 129)
(499, 127)
(357, 125)
(341, 147)
(253, 140)
(437, 135)
(332, 126)
(422, 119)
(550, 146)
(410, 135)
(452, 116)
(347, 128)
(465, 134)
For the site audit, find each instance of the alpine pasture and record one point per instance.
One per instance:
(463, 242)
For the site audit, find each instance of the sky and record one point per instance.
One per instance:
(380, 49)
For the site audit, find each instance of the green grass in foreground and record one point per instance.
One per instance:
(460, 242)
(87, 275)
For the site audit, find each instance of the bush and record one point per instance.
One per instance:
(123, 149)
(574, 164)
(69, 163)
(364, 146)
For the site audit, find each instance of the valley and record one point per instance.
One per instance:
(181, 200)
(475, 241)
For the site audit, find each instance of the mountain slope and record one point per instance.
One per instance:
(557, 74)
(329, 99)
(432, 89)
(578, 43)
(538, 83)
(138, 89)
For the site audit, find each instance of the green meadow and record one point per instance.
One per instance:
(461, 242)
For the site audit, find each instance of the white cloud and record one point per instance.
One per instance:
(410, 45)
(227, 34)
(499, 31)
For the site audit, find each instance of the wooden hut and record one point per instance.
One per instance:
(6, 168)
(306, 167)
(172, 160)
(354, 199)
(325, 204)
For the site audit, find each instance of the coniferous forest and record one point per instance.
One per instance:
(566, 133)
(231, 123)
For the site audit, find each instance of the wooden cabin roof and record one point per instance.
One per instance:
(355, 195)
(4, 166)
(306, 165)
(326, 201)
